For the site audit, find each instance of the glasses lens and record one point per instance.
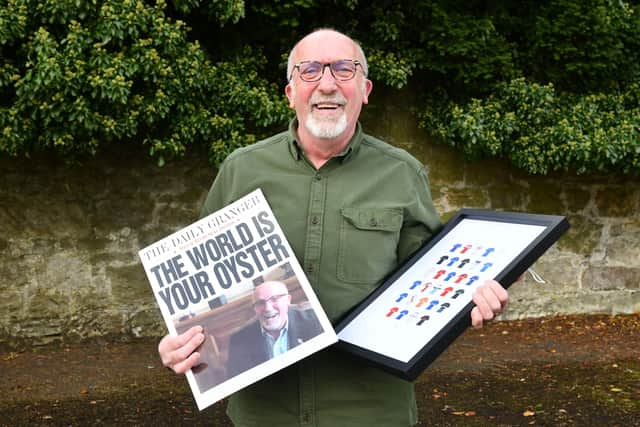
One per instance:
(310, 71)
(343, 69)
(263, 302)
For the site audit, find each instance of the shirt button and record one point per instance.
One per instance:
(306, 417)
(310, 268)
(318, 177)
(373, 222)
(315, 220)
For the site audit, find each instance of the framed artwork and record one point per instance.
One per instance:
(423, 306)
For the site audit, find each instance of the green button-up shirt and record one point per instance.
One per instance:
(349, 224)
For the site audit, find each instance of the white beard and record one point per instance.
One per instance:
(327, 128)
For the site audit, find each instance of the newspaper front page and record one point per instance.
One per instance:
(234, 273)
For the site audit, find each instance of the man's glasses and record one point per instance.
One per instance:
(341, 70)
(262, 303)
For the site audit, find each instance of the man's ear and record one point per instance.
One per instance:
(290, 92)
(368, 87)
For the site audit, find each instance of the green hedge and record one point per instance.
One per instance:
(76, 75)
(540, 130)
(79, 75)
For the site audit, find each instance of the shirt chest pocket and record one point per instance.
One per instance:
(367, 244)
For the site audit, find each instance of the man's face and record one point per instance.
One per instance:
(327, 108)
(271, 303)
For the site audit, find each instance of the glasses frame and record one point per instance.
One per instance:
(261, 303)
(325, 65)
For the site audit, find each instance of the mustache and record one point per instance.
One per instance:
(333, 99)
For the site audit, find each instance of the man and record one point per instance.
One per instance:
(353, 208)
(278, 327)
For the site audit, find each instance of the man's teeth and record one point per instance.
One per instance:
(327, 106)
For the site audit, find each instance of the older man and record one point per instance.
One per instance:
(278, 327)
(353, 208)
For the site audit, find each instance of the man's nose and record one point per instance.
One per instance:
(268, 304)
(327, 82)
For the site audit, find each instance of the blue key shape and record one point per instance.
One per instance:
(473, 279)
(456, 246)
(488, 251)
(402, 296)
(449, 276)
(402, 314)
(433, 304)
(453, 261)
(485, 267)
(415, 284)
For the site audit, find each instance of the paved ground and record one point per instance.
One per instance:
(561, 371)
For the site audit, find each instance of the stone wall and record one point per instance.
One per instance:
(69, 234)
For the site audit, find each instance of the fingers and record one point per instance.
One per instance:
(178, 352)
(490, 299)
(476, 318)
(188, 363)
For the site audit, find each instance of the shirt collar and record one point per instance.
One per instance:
(283, 331)
(296, 149)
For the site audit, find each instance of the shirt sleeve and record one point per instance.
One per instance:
(421, 220)
(216, 197)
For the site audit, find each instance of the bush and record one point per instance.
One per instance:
(541, 131)
(75, 75)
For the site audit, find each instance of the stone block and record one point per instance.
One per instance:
(623, 243)
(583, 236)
(46, 217)
(611, 278)
(508, 196)
(546, 198)
(617, 201)
(443, 165)
(577, 197)
(467, 198)
(558, 269)
(486, 172)
(146, 322)
(129, 285)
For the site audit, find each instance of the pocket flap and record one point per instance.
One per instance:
(374, 219)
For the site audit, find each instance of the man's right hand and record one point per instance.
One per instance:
(178, 352)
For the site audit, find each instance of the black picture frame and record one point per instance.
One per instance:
(406, 348)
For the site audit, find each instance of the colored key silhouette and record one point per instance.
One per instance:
(402, 314)
(446, 291)
(422, 320)
(443, 307)
(402, 296)
(457, 293)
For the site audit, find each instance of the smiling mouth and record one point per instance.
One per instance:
(325, 106)
(269, 316)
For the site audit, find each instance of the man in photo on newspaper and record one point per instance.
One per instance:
(278, 327)
(353, 208)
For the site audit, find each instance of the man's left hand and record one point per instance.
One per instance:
(490, 299)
